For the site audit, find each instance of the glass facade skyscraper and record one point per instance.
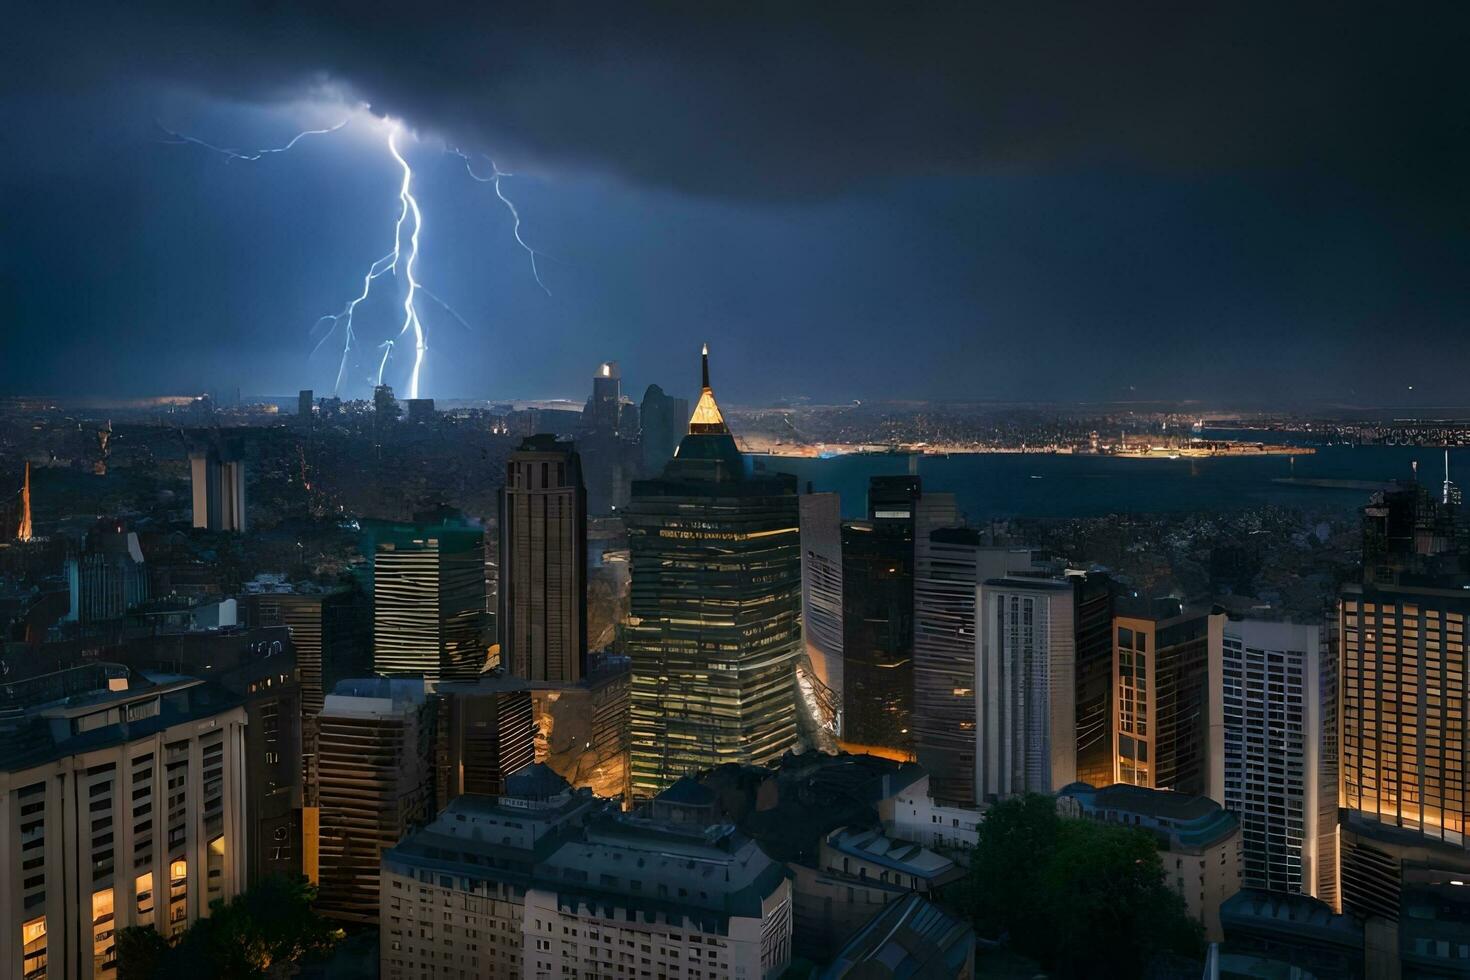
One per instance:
(714, 632)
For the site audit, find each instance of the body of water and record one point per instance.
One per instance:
(1042, 485)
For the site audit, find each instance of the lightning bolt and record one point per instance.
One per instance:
(410, 312)
(494, 179)
(387, 347)
(400, 261)
(230, 153)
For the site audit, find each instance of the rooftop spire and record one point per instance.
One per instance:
(23, 532)
(706, 418)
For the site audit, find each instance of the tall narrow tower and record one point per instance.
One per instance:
(23, 532)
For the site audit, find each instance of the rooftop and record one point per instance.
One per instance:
(875, 846)
(1194, 820)
(911, 938)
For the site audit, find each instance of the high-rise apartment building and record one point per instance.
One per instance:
(376, 780)
(878, 609)
(950, 564)
(1025, 687)
(428, 585)
(714, 630)
(1267, 763)
(819, 672)
(217, 483)
(1162, 714)
(542, 618)
(121, 798)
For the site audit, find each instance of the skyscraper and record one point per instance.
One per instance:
(217, 481)
(819, 671)
(950, 564)
(1162, 715)
(107, 576)
(715, 624)
(878, 609)
(1266, 765)
(376, 773)
(428, 584)
(303, 407)
(543, 563)
(662, 422)
(1025, 687)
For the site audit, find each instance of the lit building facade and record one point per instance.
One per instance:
(121, 802)
(542, 618)
(1025, 687)
(1162, 712)
(1266, 766)
(375, 781)
(714, 632)
(429, 597)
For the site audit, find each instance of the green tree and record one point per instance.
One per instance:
(1084, 899)
(262, 932)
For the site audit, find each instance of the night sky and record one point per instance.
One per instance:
(1245, 203)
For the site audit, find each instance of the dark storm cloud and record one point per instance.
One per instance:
(776, 99)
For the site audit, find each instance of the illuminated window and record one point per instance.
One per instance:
(33, 940)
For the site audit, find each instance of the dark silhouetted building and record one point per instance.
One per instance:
(486, 731)
(715, 631)
(878, 609)
(543, 563)
(662, 421)
(106, 576)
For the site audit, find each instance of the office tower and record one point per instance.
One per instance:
(1025, 687)
(486, 731)
(1410, 537)
(303, 407)
(691, 894)
(1266, 766)
(662, 421)
(258, 666)
(1162, 715)
(1199, 842)
(107, 576)
(605, 405)
(543, 563)
(376, 780)
(819, 671)
(385, 405)
(1092, 617)
(331, 630)
(878, 609)
(949, 565)
(121, 797)
(479, 857)
(716, 601)
(217, 481)
(428, 584)
(421, 410)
